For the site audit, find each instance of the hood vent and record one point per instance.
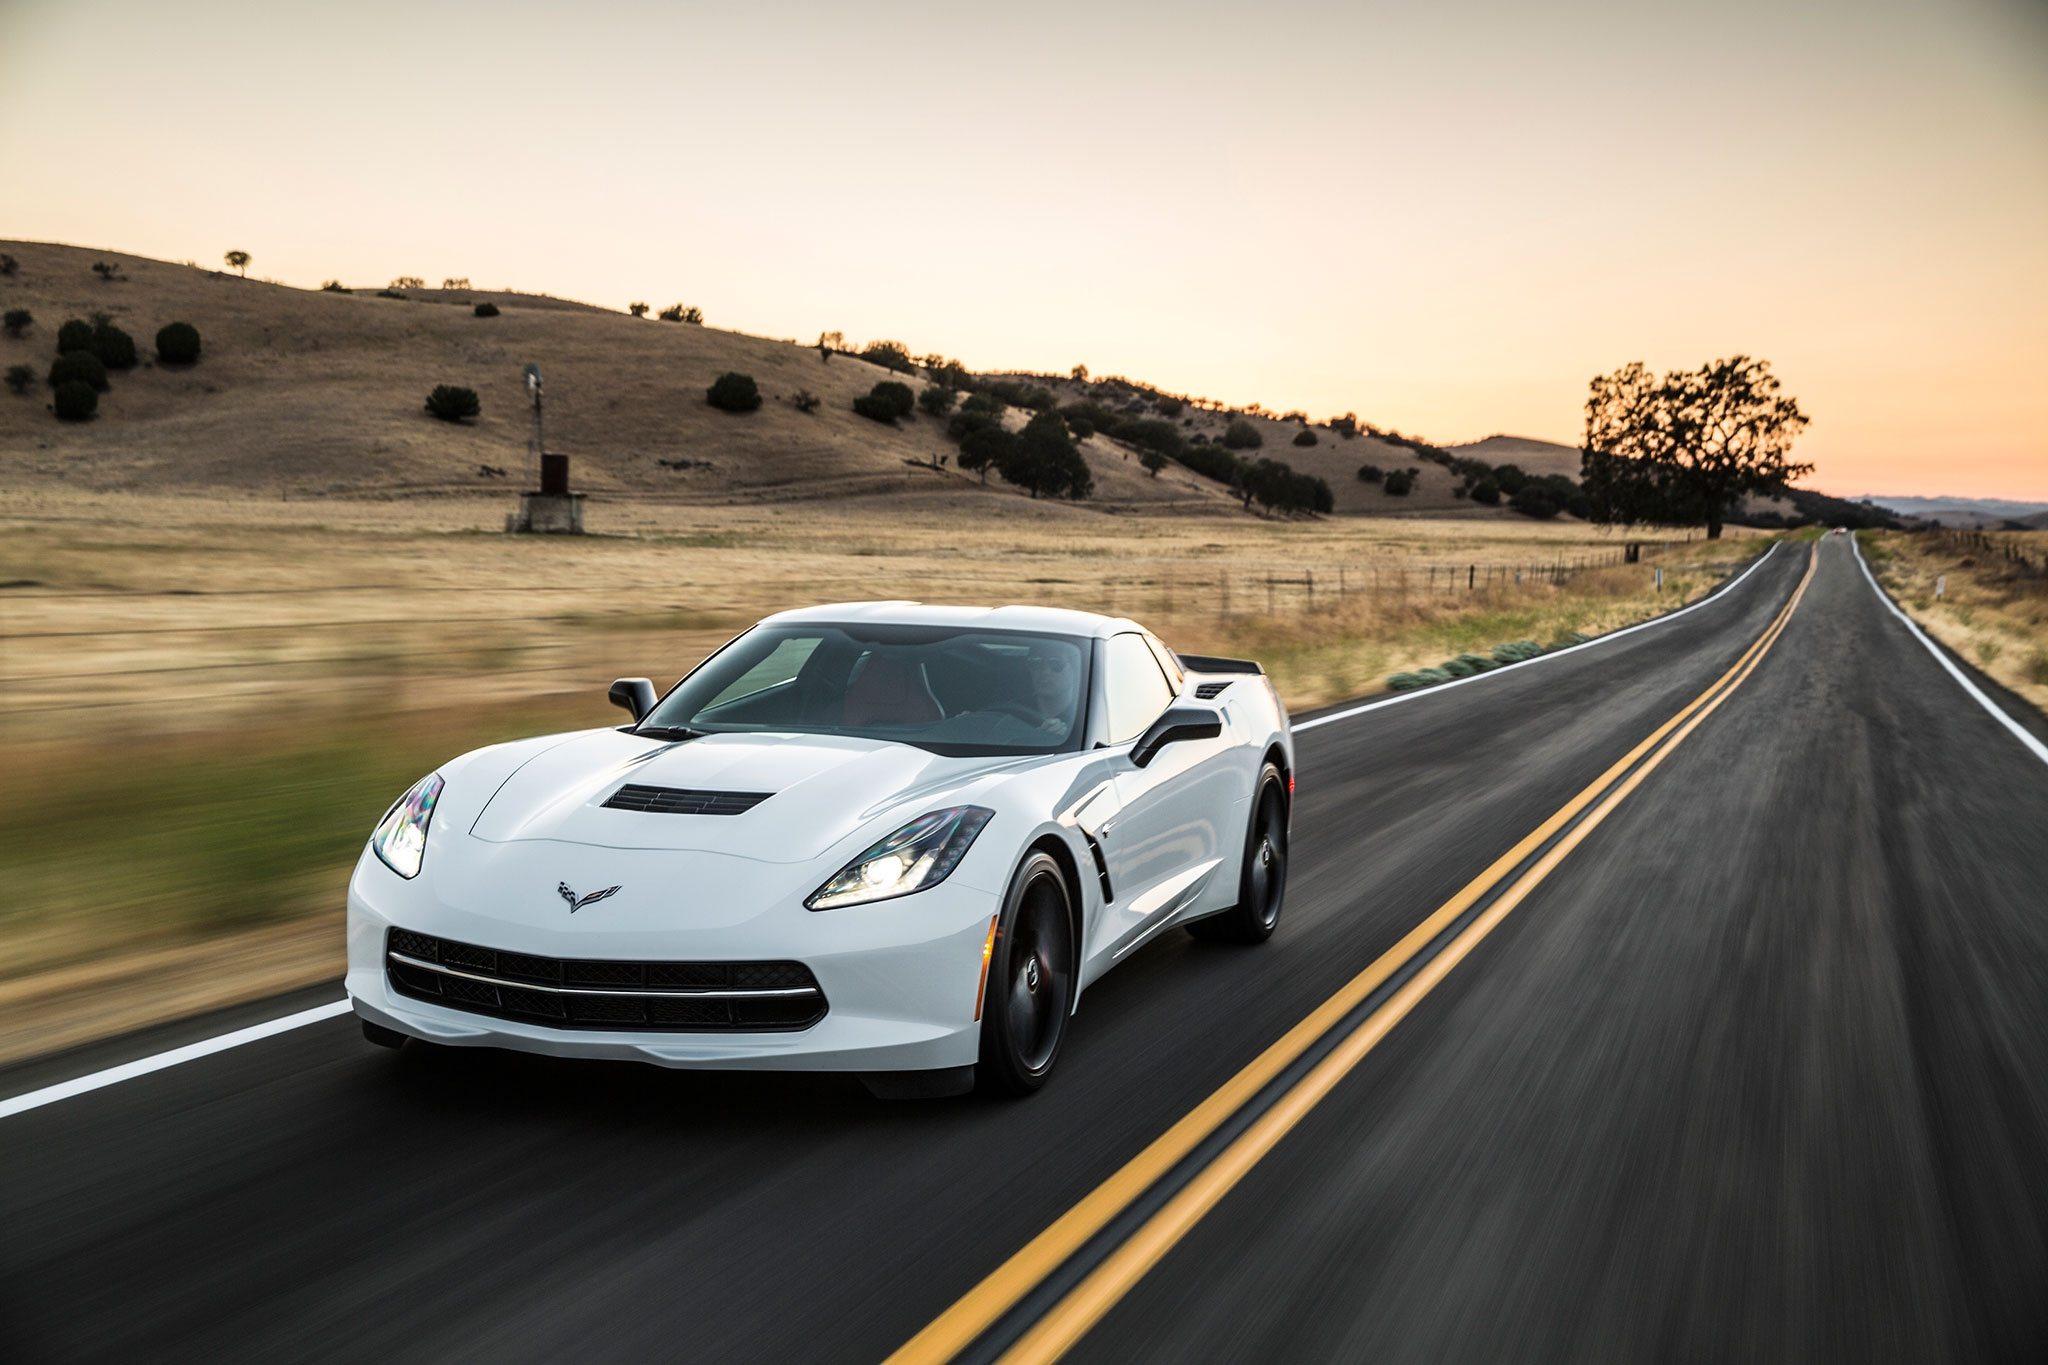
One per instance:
(681, 801)
(1207, 691)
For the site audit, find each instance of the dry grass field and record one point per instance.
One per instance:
(1994, 610)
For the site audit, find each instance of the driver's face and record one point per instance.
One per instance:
(1052, 681)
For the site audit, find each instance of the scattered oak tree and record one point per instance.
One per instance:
(638, 310)
(238, 261)
(1688, 447)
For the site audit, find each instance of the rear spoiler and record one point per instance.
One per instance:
(1209, 663)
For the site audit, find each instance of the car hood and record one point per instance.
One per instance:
(821, 788)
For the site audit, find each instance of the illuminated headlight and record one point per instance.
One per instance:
(919, 855)
(401, 837)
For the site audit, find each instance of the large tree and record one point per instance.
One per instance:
(1687, 447)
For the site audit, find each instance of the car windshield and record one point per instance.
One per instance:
(950, 690)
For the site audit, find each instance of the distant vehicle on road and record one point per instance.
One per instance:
(882, 838)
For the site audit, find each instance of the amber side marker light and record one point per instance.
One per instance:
(988, 948)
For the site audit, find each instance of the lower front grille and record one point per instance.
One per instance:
(680, 997)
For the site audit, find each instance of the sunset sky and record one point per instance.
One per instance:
(1444, 217)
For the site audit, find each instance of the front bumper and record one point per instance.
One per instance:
(900, 978)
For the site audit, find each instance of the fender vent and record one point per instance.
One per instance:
(1207, 691)
(681, 801)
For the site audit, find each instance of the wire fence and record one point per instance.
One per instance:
(2025, 551)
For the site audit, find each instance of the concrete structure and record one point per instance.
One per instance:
(551, 509)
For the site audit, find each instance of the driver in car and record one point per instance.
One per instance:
(1055, 686)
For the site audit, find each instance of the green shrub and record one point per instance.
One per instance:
(21, 378)
(1304, 437)
(74, 335)
(1477, 663)
(1242, 435)
(452, 403)
(177, 343)
(1421, 677)
(1458, 668)
(936, 400)
(1167, 407)
(1399, 483)
(390, 294)
(76, 401)
(885, 402)
(1536, 500)
(79, 367)
(1516, 651)
(487, 310)
(114, 347)
(17, 321)
(805, 401)
(733, 392)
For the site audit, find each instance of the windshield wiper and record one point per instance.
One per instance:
(669, 732)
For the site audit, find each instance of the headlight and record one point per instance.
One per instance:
(401, 837)
(919, 855)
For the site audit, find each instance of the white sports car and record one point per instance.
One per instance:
(882, 838)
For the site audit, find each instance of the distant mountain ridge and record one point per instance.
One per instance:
(1994, 508)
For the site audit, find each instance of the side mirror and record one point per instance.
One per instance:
(635, 695)
(1179, 721)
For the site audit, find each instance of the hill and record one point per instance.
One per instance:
(304, 392)
(1530, 455)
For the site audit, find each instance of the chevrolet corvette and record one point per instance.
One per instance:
(880, 838)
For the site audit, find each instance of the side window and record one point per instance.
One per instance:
(1170, 665)
(1133, 686)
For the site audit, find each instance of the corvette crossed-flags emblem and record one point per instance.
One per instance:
(578, 902)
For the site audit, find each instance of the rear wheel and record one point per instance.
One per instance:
(1262, 885)
(1029, 994)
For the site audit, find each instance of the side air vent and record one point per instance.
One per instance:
(681, 801)
(1207, 691)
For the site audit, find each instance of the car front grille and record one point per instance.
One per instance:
(578, 993)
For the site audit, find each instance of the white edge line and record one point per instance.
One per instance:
(1436, 689)
(1998, 712)
(128, 1071)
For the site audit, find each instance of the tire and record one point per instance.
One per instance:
(381, 1036)
(1032, 975)
(1262, 884)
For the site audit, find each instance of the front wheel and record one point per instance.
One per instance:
(1262, 885)
(1029, 993)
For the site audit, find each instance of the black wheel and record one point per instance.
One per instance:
(1031, 977)
(381, 1036)
(1262, 886)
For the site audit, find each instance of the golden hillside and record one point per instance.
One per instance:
(301, 392)
(306, 393)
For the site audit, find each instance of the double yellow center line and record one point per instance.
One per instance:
(1035, 1305)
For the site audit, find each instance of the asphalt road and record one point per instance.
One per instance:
(1758, 1071)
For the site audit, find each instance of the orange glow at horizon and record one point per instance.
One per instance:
(1446, 221)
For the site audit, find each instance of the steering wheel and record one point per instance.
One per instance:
(1018, 710)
